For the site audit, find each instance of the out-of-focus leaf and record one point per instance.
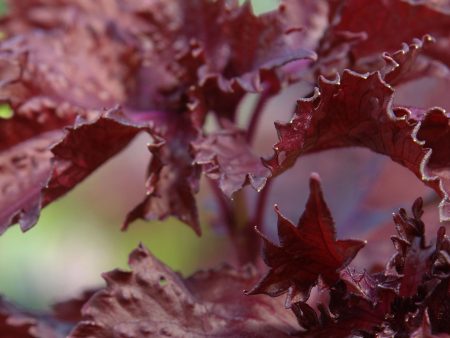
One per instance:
(225, 156)
(25, 164)
(70, 310)
(359, 33)
(172, 177)
(153, 301)
(15, 323)
(85, 147)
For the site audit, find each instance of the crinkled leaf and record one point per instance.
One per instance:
(25, 160)
(306, 251)
(370, 286)
(226, 156)
(359, 33)
(153, 301)
(356, 110)
(414, 259)
(95, 55)
(346, 315)
(387, 24)
(253, 50)
(393, 303)
(409, 63)
(85, 147)
(172, 178)
(62, 66)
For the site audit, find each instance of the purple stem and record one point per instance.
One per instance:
(251, 240)
(230, 222)
(256, 115)
(258, 219)
(224, 206)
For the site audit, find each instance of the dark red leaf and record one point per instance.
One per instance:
(259, 46)
(424, 331)
(356, 111)
(347, 314)
(25, 155)
(153, 301)
(70, 310)
(393, 303)
(306, 251)
(359, 36)
(439, 308)
(85, 147)
(62, 67)
(15, 323)
(409, 63)
(225, 156)
(385, 29)
(370, 286)
(413, 258)
(172, 177)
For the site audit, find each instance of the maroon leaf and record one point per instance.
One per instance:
(225, 156)
(359, 37)
(424, 331)
(48, 67)
(409, 63)
(347, 314)
(172, 178)
(396, 302)
(439, 308)
(153, 301)
(25, 159)
(342, 113)
(15, 323)
(414, 259)
(370, 286)
(379, 20)
(46, 88)
(70, 310)
(306, 251)
(259, 46)
(85, 147)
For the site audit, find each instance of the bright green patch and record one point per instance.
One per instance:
(262, 6)
(3, 7)
(5, 111)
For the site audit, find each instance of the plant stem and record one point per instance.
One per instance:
(256, 115)
(251, 241)
(224, 206)
(258, 218)
(232, 215)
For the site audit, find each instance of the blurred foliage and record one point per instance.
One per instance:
(78, 237)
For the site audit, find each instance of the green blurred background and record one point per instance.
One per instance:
(78, 237)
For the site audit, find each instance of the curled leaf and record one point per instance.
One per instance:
(356, 110)
(226, 156)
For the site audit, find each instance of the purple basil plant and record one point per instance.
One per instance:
(84, 78)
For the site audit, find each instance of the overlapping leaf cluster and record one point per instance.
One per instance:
(84, 78)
